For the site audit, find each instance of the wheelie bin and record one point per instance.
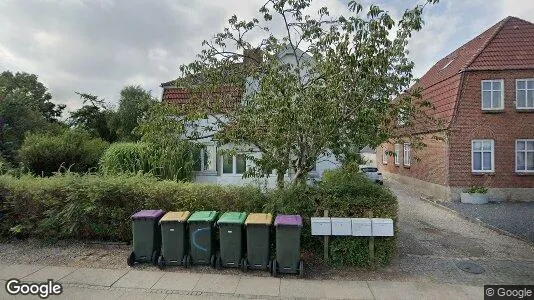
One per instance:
(287, 260)
(146, 236)
(231, 240)
(201, 233)
(258, 227)
(173, 239)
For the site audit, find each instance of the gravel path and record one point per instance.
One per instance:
(431, 241)
(516, 218)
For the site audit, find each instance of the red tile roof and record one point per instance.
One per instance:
(509, 44)
(227, 97)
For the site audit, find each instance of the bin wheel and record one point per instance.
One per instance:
(274, 268)
(218, 261)
(161, 262)
(131, 259)
(244, 264)
(212, 261)
(187, 262)
(155, 255)
(301, 269)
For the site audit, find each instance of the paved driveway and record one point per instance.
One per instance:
(516, 218)
(432, 240)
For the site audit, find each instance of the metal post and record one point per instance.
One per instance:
(371, 243)
(326, 238)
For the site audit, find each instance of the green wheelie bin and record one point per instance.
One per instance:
(231, 240)
(288, 228)
(258, 227)
(201, 238)
(146, 236)
(173, 239)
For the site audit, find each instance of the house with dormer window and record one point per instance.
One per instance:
(483, 94)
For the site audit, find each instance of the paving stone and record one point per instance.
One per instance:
(216, 283)
(178, 281)
(102, 277)
(17, 271)
(87, 294)
(258, 286)
(139, 279)
(346, 290)
(139, 295)
(50, 272)
(294, 288)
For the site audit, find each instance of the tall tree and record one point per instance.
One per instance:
(96, 118)
(134, 104)
(25, 106)
(35, 92)
(332, 95)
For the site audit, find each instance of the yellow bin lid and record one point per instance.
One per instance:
(263, 219)
(175, 216)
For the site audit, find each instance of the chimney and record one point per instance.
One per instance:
(252, 56)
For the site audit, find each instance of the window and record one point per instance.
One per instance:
(482, 156)
(492, 94)
(397, 154)
(234, 164)
(228, 164)
(524, 155)
(240, 164)
(384, 155)
(406, 155)
(524, 94)
(202, 160)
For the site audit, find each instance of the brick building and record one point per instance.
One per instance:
(484, 94)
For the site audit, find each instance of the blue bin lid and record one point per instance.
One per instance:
(288, 220)
(148, 214)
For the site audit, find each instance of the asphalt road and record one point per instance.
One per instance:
(516, 218)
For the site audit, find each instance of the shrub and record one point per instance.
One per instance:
(476, 189)
(76, 150)
(174, 163)
(99, 207)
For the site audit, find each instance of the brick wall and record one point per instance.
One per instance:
(428, 164)
(470, 122)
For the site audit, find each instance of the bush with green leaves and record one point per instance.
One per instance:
(72, 149)
(476, 189)
(98, 207)
(173, 163)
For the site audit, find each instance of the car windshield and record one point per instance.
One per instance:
(369, 170)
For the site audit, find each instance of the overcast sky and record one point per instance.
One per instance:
(99, 46)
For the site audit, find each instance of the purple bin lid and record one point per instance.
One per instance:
(148, 214)
(288, 220)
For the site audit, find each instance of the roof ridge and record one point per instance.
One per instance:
(491, 38)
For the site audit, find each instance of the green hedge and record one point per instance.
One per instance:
(99, 207)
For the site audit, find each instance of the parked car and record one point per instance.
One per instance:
(373, 174)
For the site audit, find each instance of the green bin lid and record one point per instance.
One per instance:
(203, 216)
(232, 218)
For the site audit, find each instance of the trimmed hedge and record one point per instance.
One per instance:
(99, 207)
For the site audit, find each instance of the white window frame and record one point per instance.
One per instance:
(406, 155)
(492, 170)
(526, 89)
(397, 154)
(384, 155)
(482, 90)
(525, 153)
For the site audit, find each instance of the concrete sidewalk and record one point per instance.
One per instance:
(129, 283)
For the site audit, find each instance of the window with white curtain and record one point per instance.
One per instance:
(407, 155)
(524, 93)
(492, 94)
